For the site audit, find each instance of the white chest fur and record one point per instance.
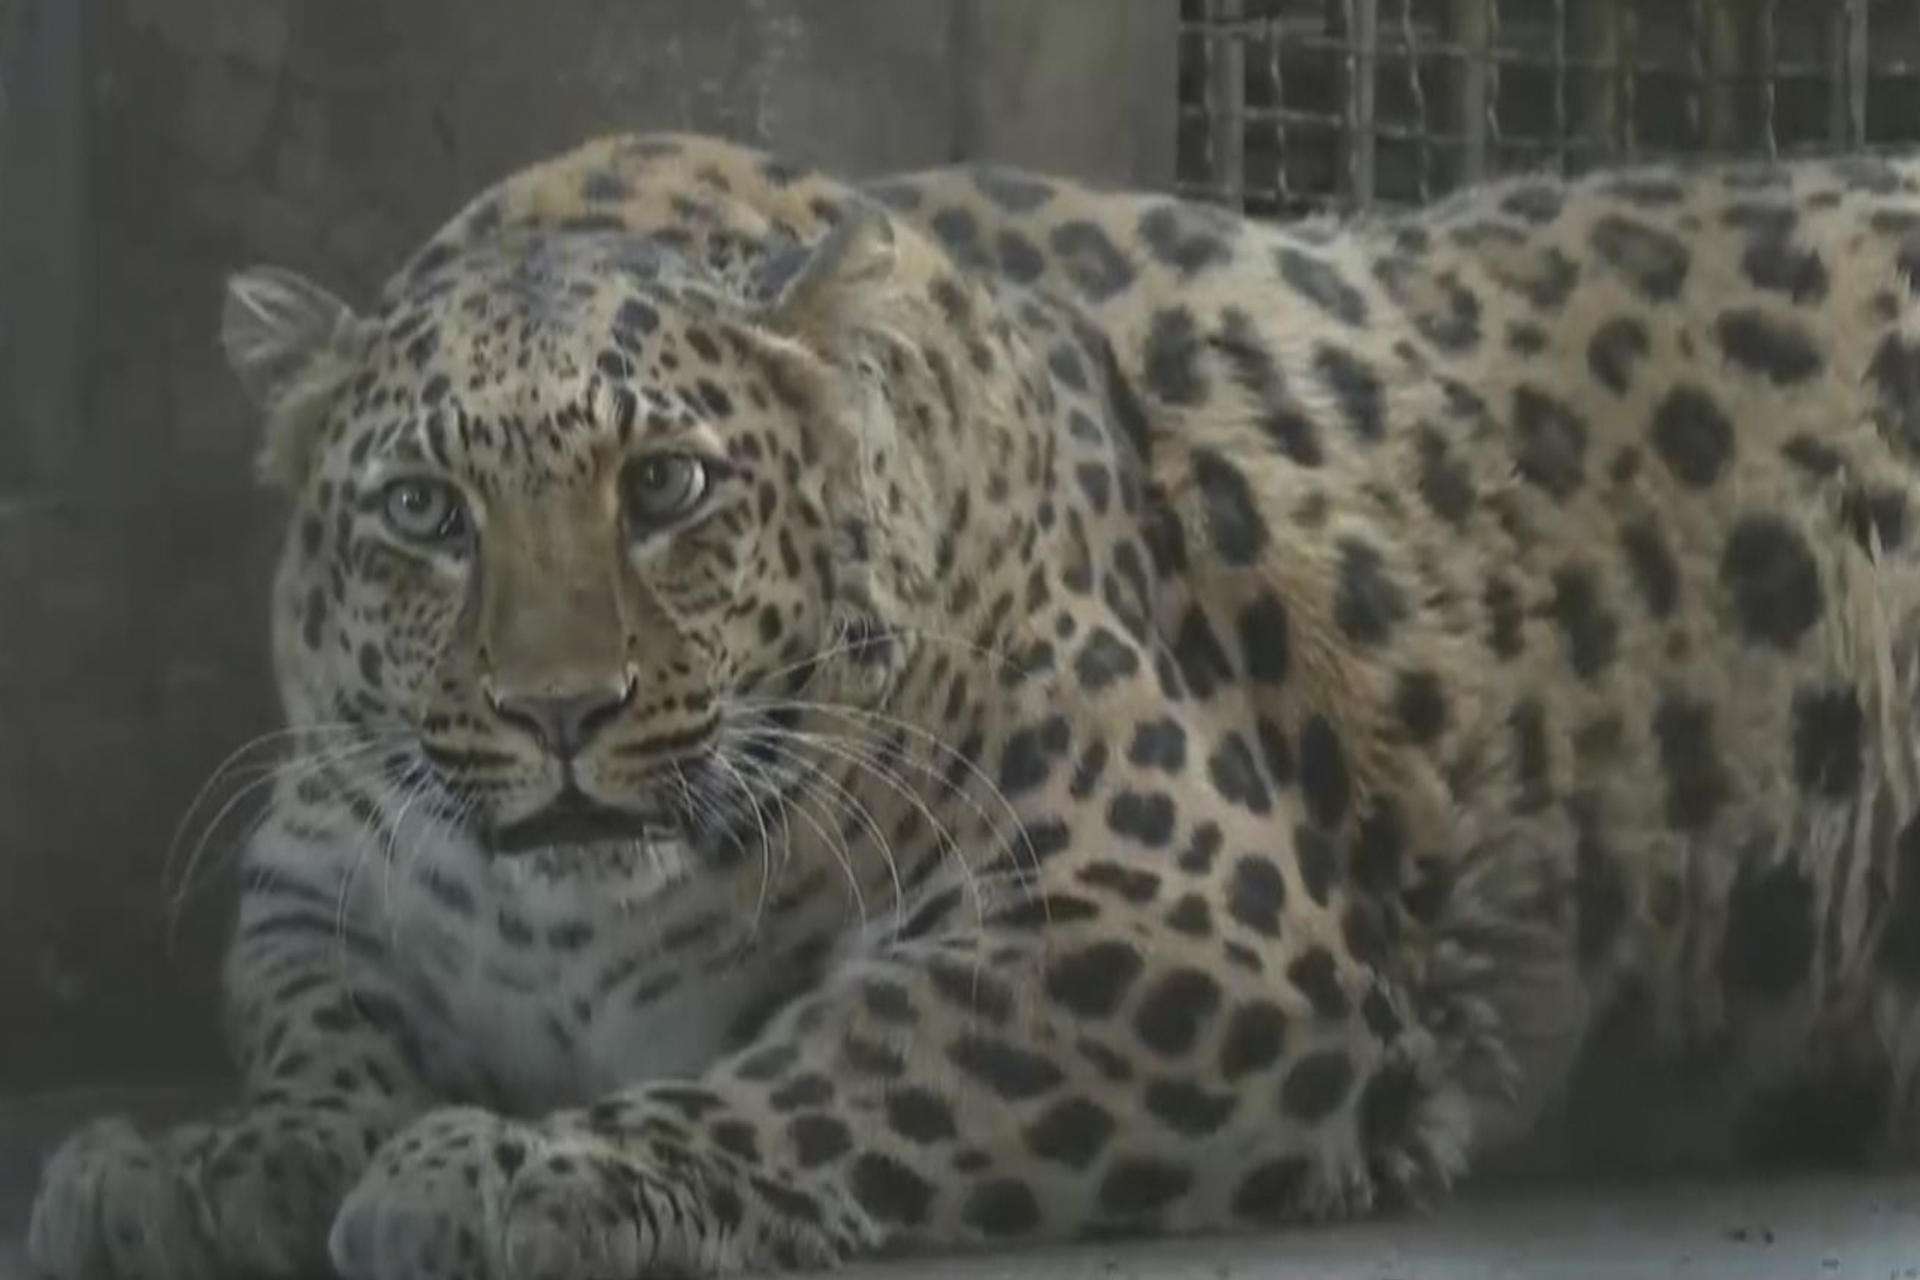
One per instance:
(533, 987)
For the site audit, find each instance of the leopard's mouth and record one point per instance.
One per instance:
(572, 818)
(711, 810)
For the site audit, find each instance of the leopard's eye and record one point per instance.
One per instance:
(423, 511)
(664, 488)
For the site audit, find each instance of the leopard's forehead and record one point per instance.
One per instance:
(519, 361)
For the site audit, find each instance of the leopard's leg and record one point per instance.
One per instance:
(252, 1191)
(1012, 1083)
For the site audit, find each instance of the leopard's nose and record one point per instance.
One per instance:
(563, 719)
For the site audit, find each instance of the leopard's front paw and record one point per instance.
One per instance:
(111, 1204)
(464, 1192)
(429, 1203)
(248, 1197)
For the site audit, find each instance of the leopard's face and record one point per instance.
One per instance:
(562, 566)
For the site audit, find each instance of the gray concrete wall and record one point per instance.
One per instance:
(43, 151)
(166, 142)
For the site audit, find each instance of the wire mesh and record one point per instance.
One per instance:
(1289, 106)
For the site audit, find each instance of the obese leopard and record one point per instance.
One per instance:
(974, 709)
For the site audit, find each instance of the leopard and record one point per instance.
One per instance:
(835, 719)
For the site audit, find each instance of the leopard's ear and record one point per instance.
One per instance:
(292, 344)
(822, 286)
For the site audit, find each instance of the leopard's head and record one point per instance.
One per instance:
(585, 536)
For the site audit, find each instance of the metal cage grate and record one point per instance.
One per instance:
(1288, 106)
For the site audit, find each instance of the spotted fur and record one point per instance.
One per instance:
(1162, 723)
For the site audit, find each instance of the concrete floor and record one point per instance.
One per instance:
(1823, 1228)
